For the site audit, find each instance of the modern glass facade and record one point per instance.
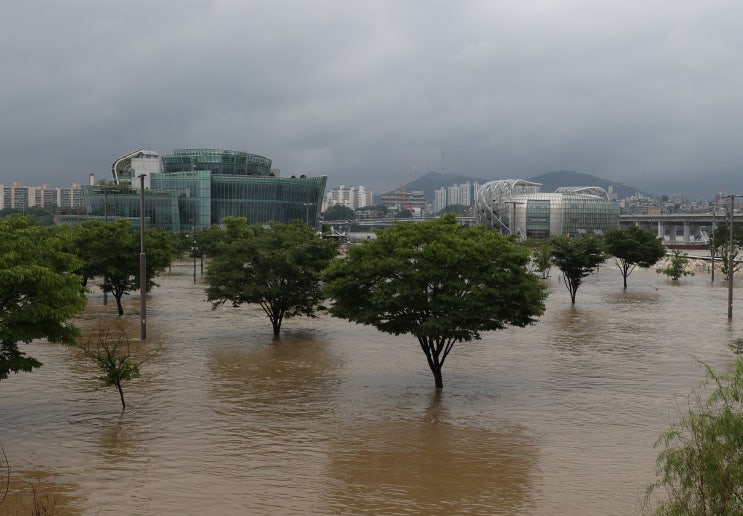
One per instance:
(200, 187)
(516, 206)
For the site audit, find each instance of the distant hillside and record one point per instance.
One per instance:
(553, 180)
(550, 181)
(430, 182)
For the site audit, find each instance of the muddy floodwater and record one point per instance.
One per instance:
(336, 418)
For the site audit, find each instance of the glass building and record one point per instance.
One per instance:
(200, 187)
(517, 206)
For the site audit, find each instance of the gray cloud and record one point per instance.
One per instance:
(377, 93)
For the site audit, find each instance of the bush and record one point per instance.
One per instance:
(700, 468)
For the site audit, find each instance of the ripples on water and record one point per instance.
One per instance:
(557, 418)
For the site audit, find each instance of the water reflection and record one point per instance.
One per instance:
(430, 465)
(37, 492)
(295, 376)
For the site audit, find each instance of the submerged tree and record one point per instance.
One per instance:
(114, 358)
(632, 247)
(110, 251)
(439, 281)
(699, 467)
(276, 266)
(39, 291)
(576, 258)
(678, 266)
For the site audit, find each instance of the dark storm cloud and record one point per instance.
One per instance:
(377, 93)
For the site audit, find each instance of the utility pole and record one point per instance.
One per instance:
(512, 224)
(731, 257)
(142, 264)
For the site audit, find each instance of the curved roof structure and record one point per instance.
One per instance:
(122, 169)
(218, 162)
(518, 206)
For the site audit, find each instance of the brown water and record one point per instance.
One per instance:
(557, 418)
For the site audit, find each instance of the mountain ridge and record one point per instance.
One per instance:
(430, 182)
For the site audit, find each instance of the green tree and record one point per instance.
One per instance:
(678, 265)
(440, 282)
(39, 291)
(276, 266)
(699, 467)
(339, 212)
(632, 247)
(721, 245)
(541, 257)
(110, 251)
(459, 209)
(115, 360)
(576, 258)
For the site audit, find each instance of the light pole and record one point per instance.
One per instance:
(142, 264)
(512, 225)
(731, 265)
(307, 212)
(712, 250)
(193, 251)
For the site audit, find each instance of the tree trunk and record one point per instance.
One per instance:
(438, 379)
(118, 303)
(121, 395)
(433, 361)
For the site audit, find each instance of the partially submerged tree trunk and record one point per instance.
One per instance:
(118, 304)
(436, 351)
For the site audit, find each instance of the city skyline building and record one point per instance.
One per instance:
(20, 196)
(352, 197)
(197, 188)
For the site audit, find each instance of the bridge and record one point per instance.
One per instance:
(672, 227)
(681, 227)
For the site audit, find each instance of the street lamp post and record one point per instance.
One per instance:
(512, 225)
(193, 251)
(731, 265)
(307, 212)
(142, 264)
(712, 250)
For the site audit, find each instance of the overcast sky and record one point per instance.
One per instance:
(646, 93)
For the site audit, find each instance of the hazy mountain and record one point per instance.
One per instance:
(553, 180)
(434, 180)
(550, 182)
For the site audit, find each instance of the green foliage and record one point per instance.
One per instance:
(678, 266)
(277, 266)
(458, 209)
(576, 258)
(114, 359)
(438, 281)
(541, 257)
(699, 468)
(39, 291)
(110, 251)
(721, 245)
(632, 247)
(41, 216)
(339, 212)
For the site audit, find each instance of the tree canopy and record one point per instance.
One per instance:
(110, 251)
(39, 291)
(576, 258)
(632, 247)
(276, 266)
(339, 212)
(440, 282)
